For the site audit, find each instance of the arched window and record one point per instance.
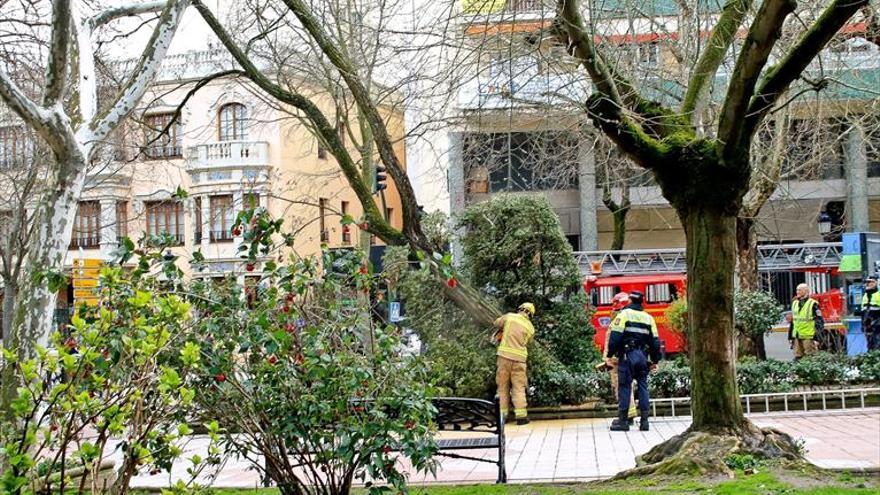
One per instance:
(233, 122)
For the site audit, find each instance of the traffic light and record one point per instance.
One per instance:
(380, 177)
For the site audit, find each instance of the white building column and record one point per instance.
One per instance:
(856, 166)
(457, 191)
(108, 226)
(206, 223)
(587, 194)
(237, 205)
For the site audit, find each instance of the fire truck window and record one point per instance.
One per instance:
(659, 293)
(673, 292)
(606, 294)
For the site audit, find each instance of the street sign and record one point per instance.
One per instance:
(394, 312)
(87, 263)
(86, 281)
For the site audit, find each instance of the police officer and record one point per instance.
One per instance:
(633, 340)
(618, 302)
(871, 313)
(806, 322)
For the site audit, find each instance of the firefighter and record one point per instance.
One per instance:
(633, 340)
(513, 333)
(806, 322)
(618, 302)
(871, 313)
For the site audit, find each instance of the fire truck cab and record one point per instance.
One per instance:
(659, 290)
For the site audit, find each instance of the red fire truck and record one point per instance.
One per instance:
(659, 275)
(659, 290)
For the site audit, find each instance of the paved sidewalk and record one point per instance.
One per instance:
(584, 449)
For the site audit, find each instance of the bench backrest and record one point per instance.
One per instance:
(465, 414)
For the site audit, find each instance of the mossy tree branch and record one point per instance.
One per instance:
(732, 15)
(764, 32)
(777, 80)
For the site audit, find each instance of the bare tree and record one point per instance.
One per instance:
(71, 121)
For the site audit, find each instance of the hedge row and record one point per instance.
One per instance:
(672, 379)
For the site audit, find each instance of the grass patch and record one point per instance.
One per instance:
(772, 480)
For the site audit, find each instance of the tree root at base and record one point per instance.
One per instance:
(704, 451)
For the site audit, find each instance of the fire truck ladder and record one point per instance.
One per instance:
(771, 257)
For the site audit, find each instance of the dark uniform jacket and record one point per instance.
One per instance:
(633, 328)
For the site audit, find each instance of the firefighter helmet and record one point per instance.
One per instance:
(527, 308)
(619, 301)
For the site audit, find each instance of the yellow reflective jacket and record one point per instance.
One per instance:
(516, 332)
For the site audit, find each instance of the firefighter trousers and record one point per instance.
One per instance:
(512, 382)
(615, 384)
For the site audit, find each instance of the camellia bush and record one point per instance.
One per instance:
(303, 381)
(118, 383)
(755, 313)
(515, 251)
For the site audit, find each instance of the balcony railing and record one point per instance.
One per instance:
(229, 154)
(85, 241)
(221, 236)
(525, 89)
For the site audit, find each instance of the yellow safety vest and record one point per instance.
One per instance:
(875, 300)
(516, 333)
(802, 317)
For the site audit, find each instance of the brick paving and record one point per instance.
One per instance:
(584, 449)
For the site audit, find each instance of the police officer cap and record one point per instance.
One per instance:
(636, 296)
(871, 278)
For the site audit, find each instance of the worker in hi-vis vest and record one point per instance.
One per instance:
(513, 333)
(871, 313)
(806, 322)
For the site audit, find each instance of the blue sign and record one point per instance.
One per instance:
(851, 243)
(394, 312)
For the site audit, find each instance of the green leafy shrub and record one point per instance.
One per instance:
(672, 379)
(755, 377)
(676, 315)
(462, 358)
(825, 369)
(868, 365)
(123, 372)
(515, 247)
(301, 374)
(565, 329)
(756, 312)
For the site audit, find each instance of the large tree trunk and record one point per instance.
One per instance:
(711, 261)
(719, 428)
(35, 305)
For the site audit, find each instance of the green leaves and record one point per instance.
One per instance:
(190, 354)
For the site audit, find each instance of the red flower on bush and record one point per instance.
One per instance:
(452, 283)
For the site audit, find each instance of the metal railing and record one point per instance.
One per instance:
(823, 400)
(673, 260)
(85, 241)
